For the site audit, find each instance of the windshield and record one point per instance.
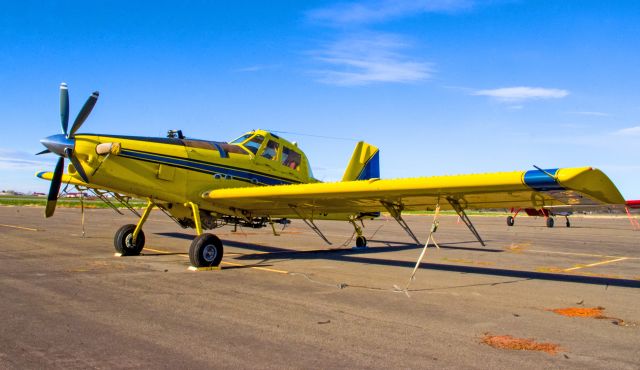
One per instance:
(241, 139)
(309, 168)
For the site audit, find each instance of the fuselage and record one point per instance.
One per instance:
(178, 170)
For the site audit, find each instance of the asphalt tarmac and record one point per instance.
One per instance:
(291, 301)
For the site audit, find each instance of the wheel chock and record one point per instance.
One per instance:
(210, 268)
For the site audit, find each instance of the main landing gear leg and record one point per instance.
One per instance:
(361, 241)
(206, 250)
(273, 227)
(129, 239)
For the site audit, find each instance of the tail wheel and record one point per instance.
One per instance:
(510, 220)
(124, 243)
(549, 221)
(206, 250)
(361, 241)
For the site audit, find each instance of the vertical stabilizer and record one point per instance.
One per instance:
(364, 163)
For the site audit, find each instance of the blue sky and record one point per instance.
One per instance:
(441, 86)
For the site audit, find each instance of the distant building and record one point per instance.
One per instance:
(75, 195)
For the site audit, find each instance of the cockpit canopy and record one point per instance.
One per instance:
(270, 147)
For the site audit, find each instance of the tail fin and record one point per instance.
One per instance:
(364, 163)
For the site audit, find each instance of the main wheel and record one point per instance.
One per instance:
(124, 243)
(568, 223)
(361, 241)
(510, 220)
(206, 250)
(549, 222)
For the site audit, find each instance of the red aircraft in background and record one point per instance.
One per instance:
(565, 211)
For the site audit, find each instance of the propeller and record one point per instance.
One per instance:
(84, 113)
(64, 107)
(54, 189)
(64, 144)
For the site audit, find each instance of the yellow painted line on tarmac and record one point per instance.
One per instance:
(579, 254)
(256, 267)
(164, 252)
(224, 262)
(595, 264)
(19, 227)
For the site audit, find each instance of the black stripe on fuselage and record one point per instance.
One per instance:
(206, 167)
(238, 173)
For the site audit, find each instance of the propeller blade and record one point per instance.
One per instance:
(52, 199)
(84, 113)
(44, 152)
(76, 164)
(64, 107)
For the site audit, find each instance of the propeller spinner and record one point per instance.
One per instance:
(63, 144)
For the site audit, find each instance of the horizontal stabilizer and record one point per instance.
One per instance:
(66, 179)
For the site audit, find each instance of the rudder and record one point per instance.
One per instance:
(364, 163)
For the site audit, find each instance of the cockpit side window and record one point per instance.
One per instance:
(254, 144)
(271, 150)
(291, 158)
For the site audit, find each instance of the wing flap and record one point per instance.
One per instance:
(492, 190)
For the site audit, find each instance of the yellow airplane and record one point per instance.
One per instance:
(260, 179)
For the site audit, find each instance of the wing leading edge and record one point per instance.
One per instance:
(565, 186)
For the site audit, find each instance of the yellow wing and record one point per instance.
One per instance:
(566, 186)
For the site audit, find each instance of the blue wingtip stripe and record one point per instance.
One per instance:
(540, 181)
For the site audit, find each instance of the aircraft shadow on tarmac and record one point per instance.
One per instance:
(266, 253)
(443, 246)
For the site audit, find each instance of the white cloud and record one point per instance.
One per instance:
(522, 93)
(590, 113)
(382, 10)
(369, 58)
(629, 131)
(18, 160)
(256, 68)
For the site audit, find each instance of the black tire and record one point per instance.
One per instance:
(549, 221)
(568, 223)
(206, 251)
(123, 243)
(510, 220)
(361, 242)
